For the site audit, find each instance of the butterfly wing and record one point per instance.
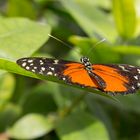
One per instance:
(119, 78)
(49, 66)
(70, 72)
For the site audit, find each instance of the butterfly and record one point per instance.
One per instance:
(113, 78)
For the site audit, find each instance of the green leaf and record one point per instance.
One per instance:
(125, 17)
(92, 20)
(14, 9)
(81, 126)
(30, 126)
(6, 88)
(105, 4)
(20, 37)
(127, 49)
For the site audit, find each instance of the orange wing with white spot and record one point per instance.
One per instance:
(118, 78)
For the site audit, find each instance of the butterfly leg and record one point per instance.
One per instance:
(100, 82)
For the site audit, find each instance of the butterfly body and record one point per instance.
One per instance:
(113, 78)
(88, 66)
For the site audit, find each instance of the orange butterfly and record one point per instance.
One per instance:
(105, 77)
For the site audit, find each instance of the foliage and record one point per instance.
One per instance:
(39, 107)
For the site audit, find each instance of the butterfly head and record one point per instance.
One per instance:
(84, 59)
(86, 62)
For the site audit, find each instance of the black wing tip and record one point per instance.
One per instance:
(20, 61)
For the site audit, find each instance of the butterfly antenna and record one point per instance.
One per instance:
(62, 42)
(99, 42)
(59, 40)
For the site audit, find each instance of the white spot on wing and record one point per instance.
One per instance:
(138, 84)
(43, 68)
(138, 71)
(24, 64)
(24, 59)
(123, 68)
(51, 68)
(131, 66)
(30, 61)
(136, 77)
(41, 62)
(27, 68)
(64, 78)
(33, 70)
(56, 61)
(49, 73)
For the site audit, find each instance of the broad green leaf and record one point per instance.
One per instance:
(2, 72)
(30, 126)
(92, 20)
(14, 9)
(99, 3)
(125, 17)
(6, 88)
(81, 126)
(20, 37)
(127, 49)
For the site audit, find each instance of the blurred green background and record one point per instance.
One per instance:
(34, 107)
